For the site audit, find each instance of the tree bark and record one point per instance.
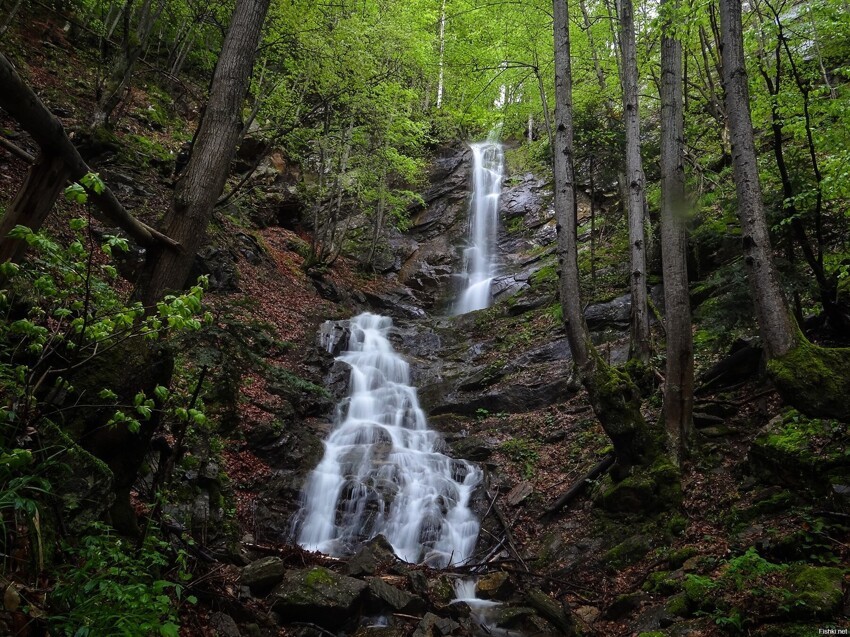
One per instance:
(679, 381)
(33, 202)
(23, 105)
(613, 396)
(218, 134)
(775, 321)
(640, 349)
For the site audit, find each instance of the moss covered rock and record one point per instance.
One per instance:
(796, 450)
(318, 595)
(645, 491)
(628, 551)
(817, 591)
(816, 380)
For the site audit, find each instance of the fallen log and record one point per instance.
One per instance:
(22, 104)
(601, 468)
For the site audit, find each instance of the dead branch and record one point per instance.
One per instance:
(601, 467)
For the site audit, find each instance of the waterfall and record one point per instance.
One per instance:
(479, 265)
(382, 471)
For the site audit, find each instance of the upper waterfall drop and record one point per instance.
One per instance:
(479, 263)
(382, 471)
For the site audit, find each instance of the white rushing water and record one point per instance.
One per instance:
(382, 471)
(479, 263)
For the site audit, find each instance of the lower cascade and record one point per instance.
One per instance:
(382, 471)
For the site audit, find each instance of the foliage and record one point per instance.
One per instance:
(108, 588)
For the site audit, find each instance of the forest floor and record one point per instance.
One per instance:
(685, 571)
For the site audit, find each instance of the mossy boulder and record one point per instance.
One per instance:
(664, 582)
(647, 490)
(678, 606)
(817, 591)
(815, 380)
(793, 449)
(628, 551)
(319, 596)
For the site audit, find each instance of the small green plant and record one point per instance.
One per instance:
(482, 414)
(522, 452)
(108, 588)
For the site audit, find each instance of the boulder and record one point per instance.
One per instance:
(434, 626)
(375, 553)
(496, 585)
(263, 575)
(384, 594)
(612, 314)
(817, 590)
(223, 625)
(319, 596)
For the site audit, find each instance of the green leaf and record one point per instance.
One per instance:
(108, 394)
(75, 193)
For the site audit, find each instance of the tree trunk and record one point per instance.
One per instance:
(640, 349)
(218, 134)
(442, 54)
(613, 396)
(679, 381)
(44, 183)
(774, 316)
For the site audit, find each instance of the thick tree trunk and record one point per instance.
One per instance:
(640, 349)
(203, 179)
(23, 105)
(615, 399)
(34, 201)
(679, 381)
(774, 316)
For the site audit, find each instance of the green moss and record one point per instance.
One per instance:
(677, 557)
(627, 552)
(700, 591)
(319, 575)
(816, 590)
(546, 274)
(678, 605)
(651, 490)
(795, 449)
(662, 583)
(815, 380)
(652, 633)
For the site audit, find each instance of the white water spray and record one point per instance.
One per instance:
(478, 258)
(382, 471)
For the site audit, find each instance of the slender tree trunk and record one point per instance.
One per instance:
(203, 180)
(442, 54)
(34, 201)
(615, 399)
(679, 381)
(774, 316)
(131, 51)
(547, 119)
(9, 17)
(640, 348)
